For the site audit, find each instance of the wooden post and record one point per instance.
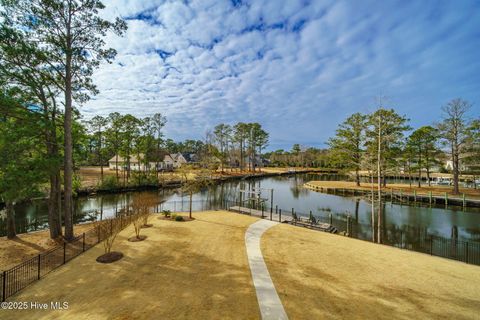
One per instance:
(280, 215)
(38, 267)
(4, 288)
(64, 252)
(331, 219)
(430, 197)
(446, 199)
(276, 209)
(466, 252)
(348, 225)
(464, 201)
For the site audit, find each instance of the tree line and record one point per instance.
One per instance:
(240, 145)
(378, 142)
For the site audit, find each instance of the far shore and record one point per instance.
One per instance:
(424, 190)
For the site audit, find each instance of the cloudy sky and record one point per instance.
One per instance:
(297, 67)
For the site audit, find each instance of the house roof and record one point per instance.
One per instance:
(133, 158)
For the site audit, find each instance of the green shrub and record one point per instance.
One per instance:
(166, 213)
(108, 183)
(178, 218)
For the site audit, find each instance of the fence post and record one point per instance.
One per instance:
(331, 218)
(466, 252)
(348, 226)
(262, 213)
(276, 209)
(38, 268)
(280, 215)
(4, 289)
(446, 199)
(431, 245)
(271, 212)
(84, 240)
(64, 251)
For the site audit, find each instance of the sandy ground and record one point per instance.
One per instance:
(323, 276)
(424, 190)
(183, 270)
(28, 245)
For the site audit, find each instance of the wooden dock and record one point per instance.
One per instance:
(401, 196)
(301, 222)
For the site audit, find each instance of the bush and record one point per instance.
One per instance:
(166, 213)
(109, 183)
(178, 218)
(173, 216)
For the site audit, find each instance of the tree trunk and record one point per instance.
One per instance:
(53, 207)
(10, 220)
(68, 161)
(456, 170)
(379, 182)
(357, 177)
(428, 176)
(190, 211)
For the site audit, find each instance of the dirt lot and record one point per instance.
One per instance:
(323, 276)
(28, 245)
(183, 270)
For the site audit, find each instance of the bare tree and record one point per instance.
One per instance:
(453, 131)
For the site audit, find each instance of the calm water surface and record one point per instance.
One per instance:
(416, 221)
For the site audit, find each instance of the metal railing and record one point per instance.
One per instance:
(31, 270)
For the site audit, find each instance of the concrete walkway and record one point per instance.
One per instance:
(270, 305)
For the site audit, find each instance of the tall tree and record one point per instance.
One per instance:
(384, 138)
(22, 65)
(70, 34)
(159, 122)
(98, 125)
(22, 167)
(423, 141)
(348, 144)
(454, 133)
(222, 134)
(240, 135)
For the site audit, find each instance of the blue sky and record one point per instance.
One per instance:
(297, 67)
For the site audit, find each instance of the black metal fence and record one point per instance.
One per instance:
(411, 239)
(29, 271)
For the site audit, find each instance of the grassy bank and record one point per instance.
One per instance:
(199, 269)
(183, 270)
(323, 276)
(90, 177)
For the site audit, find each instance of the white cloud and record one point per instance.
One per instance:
(296, 68)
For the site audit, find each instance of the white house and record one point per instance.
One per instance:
(170, 161)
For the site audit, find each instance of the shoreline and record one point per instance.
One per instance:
(468, 198)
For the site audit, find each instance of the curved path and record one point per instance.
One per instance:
(270, 305)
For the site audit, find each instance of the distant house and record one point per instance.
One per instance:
(136, 163)
(169, 162)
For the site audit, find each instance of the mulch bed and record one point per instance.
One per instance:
(135, 239)
(185, 219)
(110, 257)
(148, 225)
